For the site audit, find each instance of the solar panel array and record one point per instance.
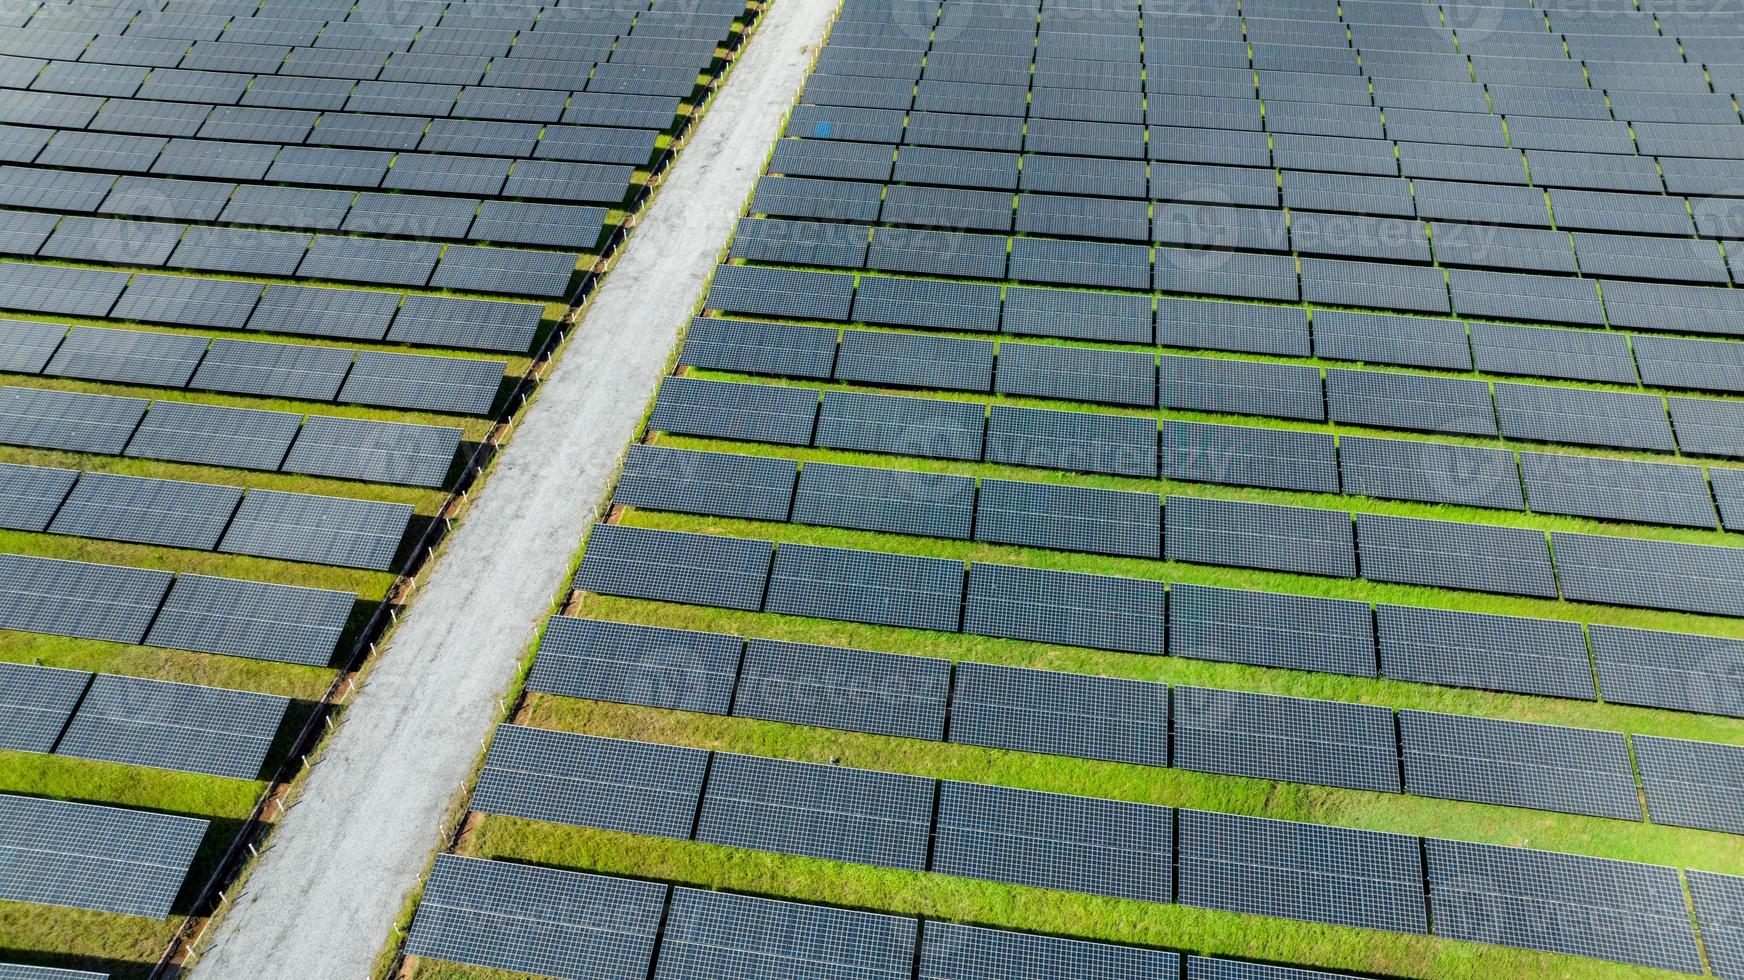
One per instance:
(106, 859)
(1320, 742)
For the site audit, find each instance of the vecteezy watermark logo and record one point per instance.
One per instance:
(1472, 20)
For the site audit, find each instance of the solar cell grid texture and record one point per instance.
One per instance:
(1328, 743)
(30, 495)
(1203, 452)
(101, 858)
(38, 702)
(1692, 784)
(377, 452)
(1614, 910)
(856, 690)
(633, 664)
(713, 934)
(1300, 871)
(215, 435)
(1541, 767)
(1618, 490)
(1251, 535)
(73, 421)
(1271, 629)
(1654, 574)
(673, 566)
(1102, 612)
(878, 499)
(842, 814)
(865, 587)
(754, 413)
(71, 598)
(1717, 899)
(1455, 555)
(723, 484)
(1483, 651)
(1050, 840)
(1078, 441)
(174, 726)
(636, 787)
(1060, 713)
(541, 920)
(1041, 515)
(257, 620)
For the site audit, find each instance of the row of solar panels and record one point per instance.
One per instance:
(273, 206)
(1129, 523)
(300, 371)
(1326, 743)
(106, 859)
(373, 261)
(1430, 403)
(1341, 214)
(1548, 658)
(1128, 445)
(234, 304)
(977, 307)
(118, 604)
(214, 435)
(1614, 910)
(24, 971)
(509, 916)
(1128, 614)
(1195, 211)
(137, 721)
(203, 516)
(1310, 105)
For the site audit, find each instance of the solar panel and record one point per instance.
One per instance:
(1409, 401)
(1078, 263)
(299, 371)
(501, 270)
(916, 361)
(1069, 518)
(1654, 574)
(1615, 489)
(693, 482)
(926, 304)
(781, 292)
(634, 664)
(755, 413)
(675, 567)
(147, 511)
(257, 620)
(1566, 903)
(1050, 840)
(1271, 629)
(634, 787)
(1692, 784)
(188, 302)
(758, 347)
(1399, 469)
(437, 384)
(312, 528)
(1545, 413)
(950, 951)
(188, 432)
(1455, 555)
(1241, 387)
(243, 251)
(1716, 899)
(1384, 339)
(102, 858)
(379, 452)
(1060, 713)
(925, 427)
(1076, 441)
(1728, 486)
(1680, 362)
(1242, 534)
(1327, 743)
(59, 289)
(714, 934)
(1476, 650)
(1708, 427)
(27, 345)
(1300, 871)
(30, 495)
(521, 917)
(880, 499)
(1671, 308)
(1201, 968)
(1201, 452)
(866, 587)
(376, 261)
(321, 312)
(287, 207)
(38, 701)
(1077, 374)
(809, 197)
(857, 815)
(810, 243)
(112, 241)
(854, 690)
(1541, 767)
(1102, 612)
(145, 722)
(477, 324)
(17, 971)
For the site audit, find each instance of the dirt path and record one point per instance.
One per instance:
(323, 898)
